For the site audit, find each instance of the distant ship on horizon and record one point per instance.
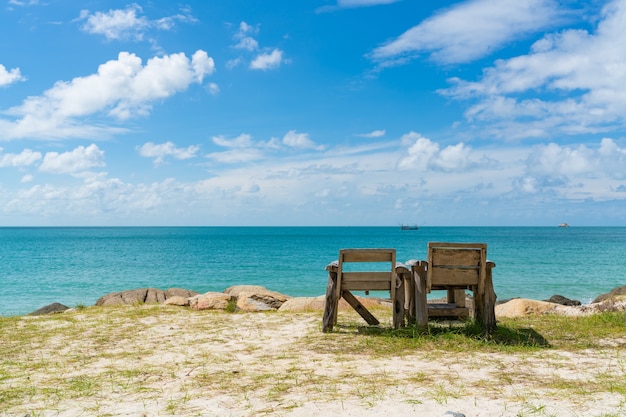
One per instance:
(408, 227)
(563, 225)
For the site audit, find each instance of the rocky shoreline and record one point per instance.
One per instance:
(251, 298)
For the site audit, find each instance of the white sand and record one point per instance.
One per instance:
(254, 364)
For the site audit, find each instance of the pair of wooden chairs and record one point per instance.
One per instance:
(454, 267)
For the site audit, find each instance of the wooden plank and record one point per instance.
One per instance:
(360, 308)
(453, 277)
(447, 310)
(455, 257)
(366, 286)
(367, 276)
(367, 255)
(331, 304)
(421, 307)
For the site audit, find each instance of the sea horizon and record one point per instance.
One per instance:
(75, 265)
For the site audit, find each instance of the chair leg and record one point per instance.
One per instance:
(332, 303)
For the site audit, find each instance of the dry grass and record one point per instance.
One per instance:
(173, 361)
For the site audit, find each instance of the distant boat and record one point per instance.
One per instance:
(408, 227)
(564, 225)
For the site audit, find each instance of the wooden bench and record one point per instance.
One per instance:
(454, 267)
(342, 282)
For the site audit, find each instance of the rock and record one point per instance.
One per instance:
(142, 295)
(256, 297)
(615, 293)
(179, 292)
(564, 301)
(50, 309)
(520, 307)
(177, 300)
(303, 304)
(137, 296)
(210, 301)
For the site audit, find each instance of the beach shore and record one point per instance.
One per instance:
(155, 360)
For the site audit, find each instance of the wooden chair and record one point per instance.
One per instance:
(341, 282)
(455, 267)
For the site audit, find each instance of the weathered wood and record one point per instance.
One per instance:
(398, 300)
(455, 267)
(447, 310)
(359, 308)
(342, 282)
(331, 302)
(367, 255)
(454, 276)
(421, 303)
(365, 285)
(485, 302)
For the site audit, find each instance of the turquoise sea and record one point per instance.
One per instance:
(77, 265)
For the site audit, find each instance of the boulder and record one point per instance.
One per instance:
(179, 292)
(137, 296)
(49, 309)
(142, 295)
(210, 301)
(177, 300)
(564, 301)
(615, 293)
(256, 297)
(520, 307)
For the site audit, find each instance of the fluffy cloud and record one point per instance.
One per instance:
(584, 70)
(556, 162)
(244, 38)
(127, 24)
(469, 30)
(374, 134)
(160, 151)
(267, 61)
(10, 76)
(245, 42)
(25, 158)
(424, 154)
(121, 88)
(73, 162)
(300, 140)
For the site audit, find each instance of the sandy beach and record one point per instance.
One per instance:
(155, 360)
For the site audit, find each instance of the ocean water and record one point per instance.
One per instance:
(78, 265)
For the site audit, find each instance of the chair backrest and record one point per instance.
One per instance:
(461, 265)
(367, 280)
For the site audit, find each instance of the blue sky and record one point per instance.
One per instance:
(318, 112)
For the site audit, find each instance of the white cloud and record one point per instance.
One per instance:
(348, 4)
(373, 134)
(469, 30)
(242, 141)
(300, 140)
(121, 88)
(73, 162)
(160, 151)
(27, 178)
(424, 154)
(237, 155)
(10, 76)
(213, 88)
(584, 70)
(267, 61)
(24, 3)
(551, 162)
(127, 24)
(25, 158)
(244, 37)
